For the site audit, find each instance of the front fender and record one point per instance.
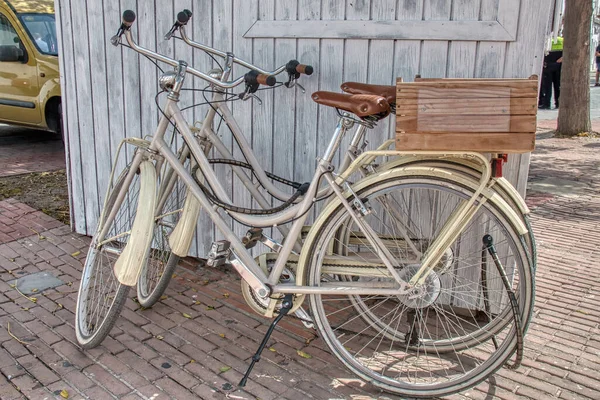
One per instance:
(129, 265)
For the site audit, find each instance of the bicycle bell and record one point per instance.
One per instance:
(167, 80)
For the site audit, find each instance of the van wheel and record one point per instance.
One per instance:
(59, 126)
(56, 123)
(54, 118)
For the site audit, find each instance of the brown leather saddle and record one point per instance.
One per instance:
(364, 106)
(387, 92)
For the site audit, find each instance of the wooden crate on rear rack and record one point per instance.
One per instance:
(483, 115)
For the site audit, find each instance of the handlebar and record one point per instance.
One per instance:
(255, 77)
(223, 54)
(293, 67)
(129, 18)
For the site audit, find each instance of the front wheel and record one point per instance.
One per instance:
(444, 339)
(162, 262)
(101, 297)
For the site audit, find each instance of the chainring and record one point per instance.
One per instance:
(261, 305)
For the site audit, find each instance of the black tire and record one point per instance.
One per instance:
(440, 329)
(101, 297)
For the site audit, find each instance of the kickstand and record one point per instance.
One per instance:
(488, 243)
(286, 306)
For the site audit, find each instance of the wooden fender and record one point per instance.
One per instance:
(129, 265)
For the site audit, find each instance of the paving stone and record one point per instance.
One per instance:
(38, 282)
(562, 348)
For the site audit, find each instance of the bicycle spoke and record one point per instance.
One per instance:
(440, 335)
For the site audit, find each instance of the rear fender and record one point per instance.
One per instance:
(407, 172)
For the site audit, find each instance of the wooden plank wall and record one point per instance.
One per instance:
(109, 92)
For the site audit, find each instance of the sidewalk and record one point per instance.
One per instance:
(546, 119)
(159, 353)
(24, 150)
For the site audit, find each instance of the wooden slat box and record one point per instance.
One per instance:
(483, 115)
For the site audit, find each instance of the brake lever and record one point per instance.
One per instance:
(182, 19)
(115, 40)
(301, 87)
(127, 19)
(172, 31)
(294, 82)
(247, 96)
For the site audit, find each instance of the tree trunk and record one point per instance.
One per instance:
(574, 111)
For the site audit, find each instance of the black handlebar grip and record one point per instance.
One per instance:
(128, 18)
(304, 69)
(253, 79)
(268, 80)
(183, 17)
(294, 68)
(188, 12)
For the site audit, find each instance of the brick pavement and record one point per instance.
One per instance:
(24, 150)
(159, 354)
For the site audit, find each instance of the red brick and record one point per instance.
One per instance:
(132, 396)
(168, 351)
(143, 368)
(12, 370)
(78, 380)
(15, 348)
(8, 392)
(106, 380)
(174, 372)
(205, 391)
(207, 376)
(173, 388)
(24, 382)
(98, 392)
(153, 392)
(72, 354)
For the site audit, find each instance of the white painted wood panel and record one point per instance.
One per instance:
(244, 15)
(109, 92)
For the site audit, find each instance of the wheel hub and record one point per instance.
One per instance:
(423, 295)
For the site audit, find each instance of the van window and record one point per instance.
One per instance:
(8, 35)
(42, 30)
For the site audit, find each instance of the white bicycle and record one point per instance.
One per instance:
(418, 276)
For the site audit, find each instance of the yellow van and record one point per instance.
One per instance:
(29, 78)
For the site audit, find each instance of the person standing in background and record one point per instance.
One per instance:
(551, 75)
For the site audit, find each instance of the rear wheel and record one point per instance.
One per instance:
(443, 339)
(101, 297)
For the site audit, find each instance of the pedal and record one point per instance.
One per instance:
(252, 237)
(218, 254)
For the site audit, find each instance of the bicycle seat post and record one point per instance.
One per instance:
(336, 139)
